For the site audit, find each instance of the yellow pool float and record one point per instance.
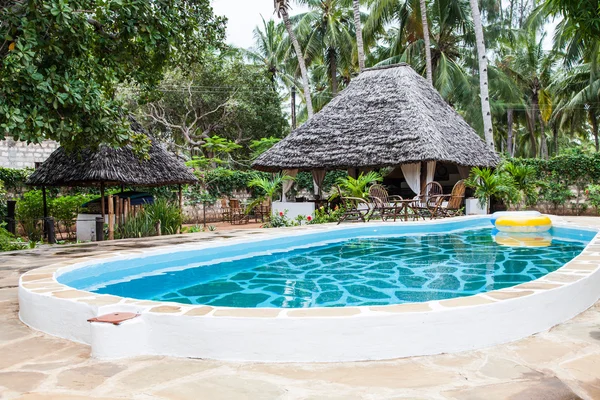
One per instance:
(524, 224)
(543, 239)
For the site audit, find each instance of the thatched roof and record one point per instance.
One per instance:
(387, 116)
(87, 167)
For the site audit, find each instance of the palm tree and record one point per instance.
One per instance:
(326, 33)
(281, 8)
(271, 51)
(488, 129)
(359, 39)
(426, 40)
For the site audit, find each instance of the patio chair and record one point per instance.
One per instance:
(428, 200)
(383, 203)
(225, 211)
(454, 201)
(355, 209)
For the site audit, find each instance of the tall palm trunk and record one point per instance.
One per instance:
(509, 133)
(359, 39)
(594, 120)
(555, 135)
(543, 141)
(282, 10)
(427, 42)
(530, 115)
(333, 71)
(483, 76)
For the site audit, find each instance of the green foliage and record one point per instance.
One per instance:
(8, 242)
(524, 181)
(14, 178)
(279, 220)
(585, 14)
(324, 215)
(358, 187)
(263, 144)
(140, 225)
(30, 213)
(269, 186)
(62, 62)
(593, 195)
(167, 213)
(65, 208)
(489, 184)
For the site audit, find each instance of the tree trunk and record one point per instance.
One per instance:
(333, 71)
(531, 113)
(427, 42)
(301, 63)
(543, 141)
(293, 105)
(483, 76)
(594, 120)
(555, 134)
(509, 133)
(359, 39)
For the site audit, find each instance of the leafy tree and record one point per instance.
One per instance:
(62, 62)
(223, 97)
(358, 187)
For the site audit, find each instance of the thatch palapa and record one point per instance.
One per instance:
(387, 116)
(109, 166)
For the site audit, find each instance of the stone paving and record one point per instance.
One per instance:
(563, 363)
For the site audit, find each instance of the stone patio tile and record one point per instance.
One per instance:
(502, 368)
(547, 388)
(198, 311)
(539, 350)
(21, 381)
(165, 309)
(466, 301)
(587, 371)
(580, 266)
(562, 278)
(28, 349)
(324, 312)
(72, 294)
(35, 277)
(536, 285)
(401, 308)
(62, 396)
(161, 371)
(247, 312)
(101, 300)
(404, 373)
(88, 377)
(509, 295)
(223, 388)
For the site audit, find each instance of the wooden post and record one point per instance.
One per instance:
(102, 205)
(423, 175)
(158, 230)
(117, 210)
(45, 203)
(126, 207)
(111, 221)
(180, 199)
(99, 229)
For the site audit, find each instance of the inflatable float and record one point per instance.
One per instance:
(499, 214)
(524, 224)
(543, 239)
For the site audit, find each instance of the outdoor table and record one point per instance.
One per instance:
(405, 205)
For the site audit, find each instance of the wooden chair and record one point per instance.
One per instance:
(383, 203)
(355, 209)
(454, 201)
(225, 211)
(428, 200)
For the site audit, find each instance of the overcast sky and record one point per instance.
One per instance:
(244, 16)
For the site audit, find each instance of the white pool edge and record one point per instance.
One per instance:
(307, 335)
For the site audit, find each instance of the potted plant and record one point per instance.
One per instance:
(486, 184)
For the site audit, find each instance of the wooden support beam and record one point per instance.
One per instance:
(102, 205)
(111, 221)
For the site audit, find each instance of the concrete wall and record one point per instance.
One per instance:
(21, 155)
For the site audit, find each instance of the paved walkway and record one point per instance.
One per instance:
(563, 363)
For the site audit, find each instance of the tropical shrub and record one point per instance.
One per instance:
(140, 225)
(525, 184)
(489, 184)
(593, 195)
(30, 213)
(279, 220)
(555, 193)
(9, 242)
(167, 213)
(324, 215)
(358, 187)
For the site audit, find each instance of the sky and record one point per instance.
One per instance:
(244, 16)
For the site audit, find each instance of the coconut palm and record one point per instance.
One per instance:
(281, 8)
(271, 51)
(326, 33)
(488, 128)
(359, 38)
(426, 40)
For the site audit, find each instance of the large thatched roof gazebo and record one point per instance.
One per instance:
(106, 166)
(387, 117)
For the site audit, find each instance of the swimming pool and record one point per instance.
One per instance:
(455, 289)
(379, 268)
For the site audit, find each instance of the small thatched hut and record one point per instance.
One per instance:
(387, 117)
(107, 166)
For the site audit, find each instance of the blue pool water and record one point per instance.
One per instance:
(363, 266)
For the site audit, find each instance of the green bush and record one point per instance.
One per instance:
(30, 213)
(140, 225)
(593, 194)
(14, 178)
(167, 213)
(8, 242)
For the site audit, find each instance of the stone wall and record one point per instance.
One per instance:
(15, 154)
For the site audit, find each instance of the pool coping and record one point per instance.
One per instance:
(42, 284)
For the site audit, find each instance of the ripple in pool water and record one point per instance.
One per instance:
(369, 271)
